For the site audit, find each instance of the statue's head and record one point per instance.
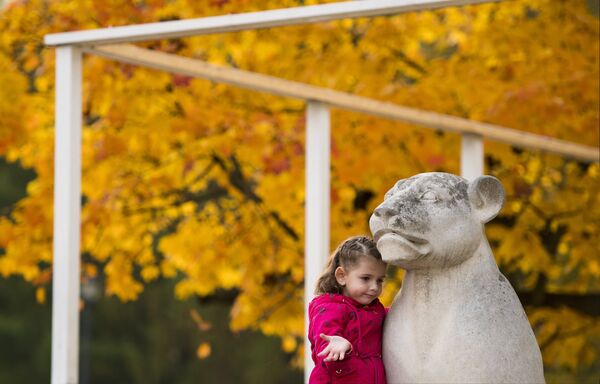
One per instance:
(434, 220)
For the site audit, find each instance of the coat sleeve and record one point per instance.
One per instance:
(329, 319)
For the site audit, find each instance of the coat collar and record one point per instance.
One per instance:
(338, 298)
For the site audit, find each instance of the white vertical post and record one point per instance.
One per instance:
(471, 156)
(316, 233)
(67, 201)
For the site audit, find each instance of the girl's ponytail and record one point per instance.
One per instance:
(327, 282)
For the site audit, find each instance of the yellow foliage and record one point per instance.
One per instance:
(289, 344)
(204, 350)
(40, 295)
(150, 273)
(204, 182)
(566, 337)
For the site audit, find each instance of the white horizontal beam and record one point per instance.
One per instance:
(258, 82)
(251, 20)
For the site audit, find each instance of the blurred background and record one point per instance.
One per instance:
(193, 192)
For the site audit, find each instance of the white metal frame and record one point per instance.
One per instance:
(250, 20)
(471, 156)
(67, 201)
(108, 42)
(316, 222)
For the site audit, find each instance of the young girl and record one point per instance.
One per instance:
(346, 318)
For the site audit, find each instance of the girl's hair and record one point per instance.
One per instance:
(347, 255)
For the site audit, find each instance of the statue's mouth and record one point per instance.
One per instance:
(418, 244)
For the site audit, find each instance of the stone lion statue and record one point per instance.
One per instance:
(456, 319)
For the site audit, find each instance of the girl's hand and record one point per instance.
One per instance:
(336, 349)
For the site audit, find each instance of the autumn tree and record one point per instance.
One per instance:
(204, 183)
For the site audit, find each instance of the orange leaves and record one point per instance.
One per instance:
(289, 344)
(13, 88)
(40, 295)
(204, 350)
(150, 273)
(119, 280)
(204, 182)
(566, 337)
(108, 145)
(202, 324)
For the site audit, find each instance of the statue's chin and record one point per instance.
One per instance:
(399, 251)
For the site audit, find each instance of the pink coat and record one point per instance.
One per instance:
(361, 325)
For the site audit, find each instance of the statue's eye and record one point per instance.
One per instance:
(429, 195)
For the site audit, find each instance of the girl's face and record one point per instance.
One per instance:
(362, 282)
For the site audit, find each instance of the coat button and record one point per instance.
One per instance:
(338, 371)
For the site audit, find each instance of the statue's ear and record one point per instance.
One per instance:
(486, 195)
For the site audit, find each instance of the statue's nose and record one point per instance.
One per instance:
(384, 212)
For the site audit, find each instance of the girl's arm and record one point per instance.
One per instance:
(329, 320)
